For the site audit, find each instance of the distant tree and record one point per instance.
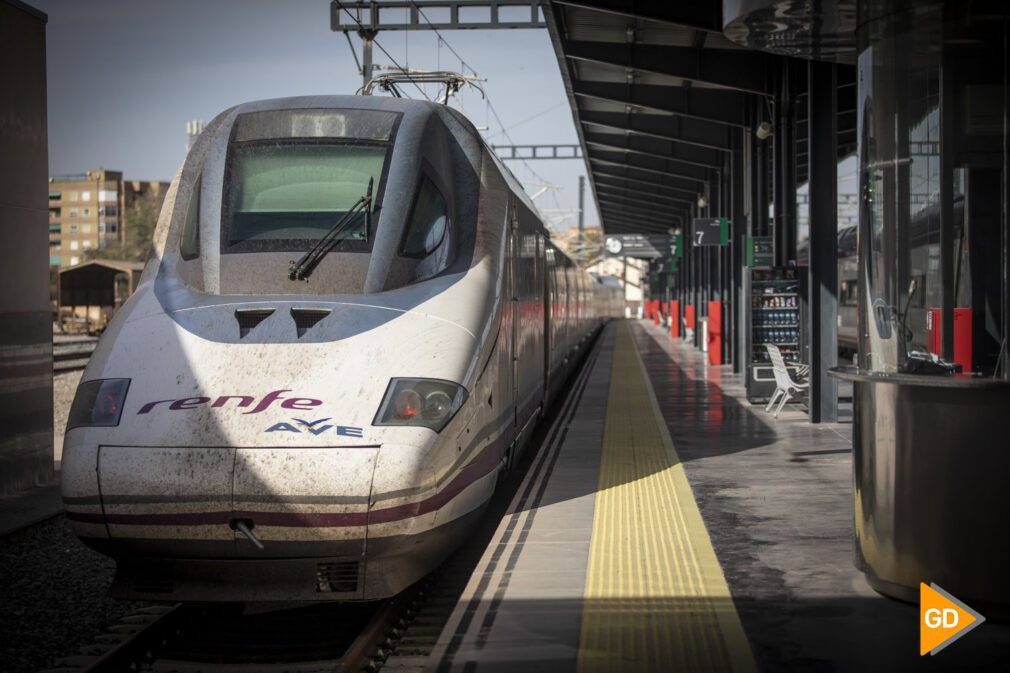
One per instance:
(139, 222)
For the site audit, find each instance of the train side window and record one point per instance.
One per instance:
(850, 290)
(428, 223)
(189, 247)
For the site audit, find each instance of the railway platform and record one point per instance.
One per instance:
(666, 524)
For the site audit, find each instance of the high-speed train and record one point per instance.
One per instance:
(350, 322)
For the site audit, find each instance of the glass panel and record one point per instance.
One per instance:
(933, 188)
(311, 123)
(296, 193)
(189, 248)
(428, 222)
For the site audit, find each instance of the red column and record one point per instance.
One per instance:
(689, 316)
(714, 333)
(674, 319)
(962, 338)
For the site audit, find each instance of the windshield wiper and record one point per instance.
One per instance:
(303, 268)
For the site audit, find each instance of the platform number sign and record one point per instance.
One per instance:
(677, 245)
(710, 231)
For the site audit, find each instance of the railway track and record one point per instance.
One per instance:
(189, 638)
(72, 355)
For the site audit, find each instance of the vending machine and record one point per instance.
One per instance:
(775, 307)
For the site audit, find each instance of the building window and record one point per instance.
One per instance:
(72, 196)
(85, 212)
(108, 195)
(86, 244)
(55, 196)
(85, 228)
(55, 243)
(85, 196)
(73, 229)
(111, 228)
(108, 211)
(54, 228)
(54, 260)
(73, 245)
(72, 212)
(74, 261)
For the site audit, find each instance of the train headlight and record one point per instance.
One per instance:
(98, 403)
(428, 403)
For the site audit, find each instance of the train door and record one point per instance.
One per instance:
(546, 255)
(513, 304)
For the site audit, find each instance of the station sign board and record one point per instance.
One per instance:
(760, 251)
(641, 246)
(710, 231)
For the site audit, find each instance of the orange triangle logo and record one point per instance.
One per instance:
(942, 619)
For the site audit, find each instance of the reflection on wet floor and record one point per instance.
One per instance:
(776, 497)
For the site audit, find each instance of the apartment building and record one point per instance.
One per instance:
(86, 212)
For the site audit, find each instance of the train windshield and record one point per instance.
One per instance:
(289, 193)
(288, 180)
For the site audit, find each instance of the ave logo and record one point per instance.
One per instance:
(942, 619)
(317, 427)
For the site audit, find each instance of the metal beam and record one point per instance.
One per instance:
(637, 224)
(645, 179)
(527, 152)
(638, 206)
(615, 190)
(638, 209)
(670, 220)
(823, 249)
(634, 208)
(737, 69)
(692, 186)
(716, 106)
(646, 163)
(608, 182)
(646, 147)
(400, 15)
(632, 224)
(703, 16)
(674, 129)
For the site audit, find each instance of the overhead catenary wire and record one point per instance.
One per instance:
(489, 105)
(464, 65)
(382, 49)
(531, 118)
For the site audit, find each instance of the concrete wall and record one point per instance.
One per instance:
(26, 351)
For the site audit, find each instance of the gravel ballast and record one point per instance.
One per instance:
(64, 387)
(53, 588)
(53, 596)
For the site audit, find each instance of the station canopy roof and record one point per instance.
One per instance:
(659, 96)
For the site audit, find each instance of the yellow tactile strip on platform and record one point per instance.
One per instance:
(655, 598)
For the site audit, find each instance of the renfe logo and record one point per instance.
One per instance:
(186, 403)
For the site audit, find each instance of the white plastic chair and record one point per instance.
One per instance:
(785, 387)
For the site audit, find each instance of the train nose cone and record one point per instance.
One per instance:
(304, 502)
(187, 502)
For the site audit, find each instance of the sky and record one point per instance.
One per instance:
(124, 77)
